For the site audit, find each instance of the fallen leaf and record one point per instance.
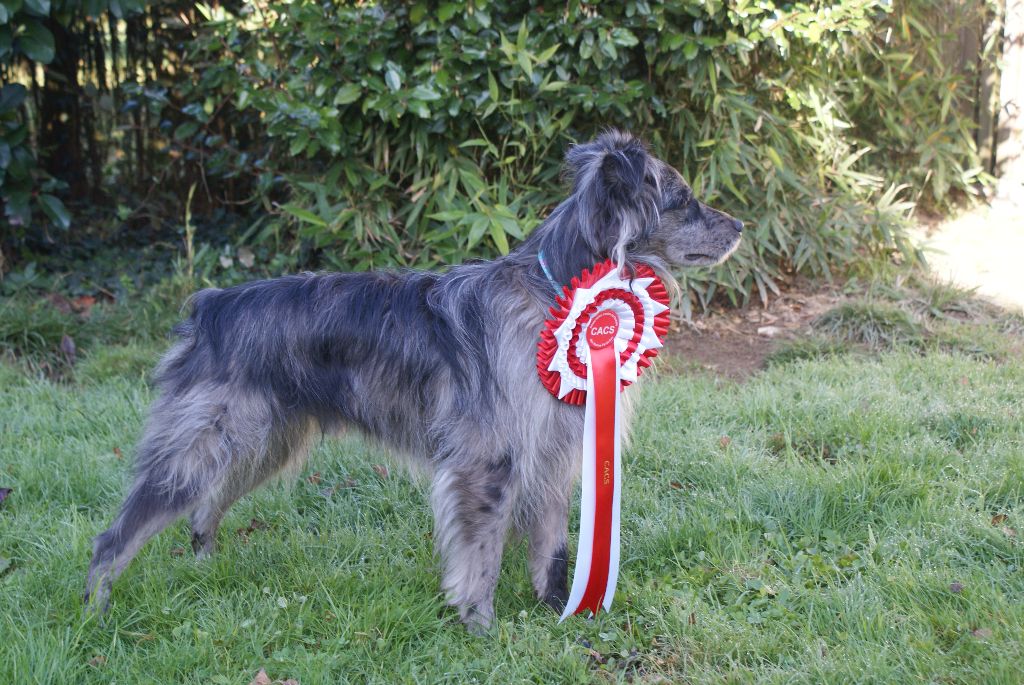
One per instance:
(246, 257)
(349, 483)
(254, 525)
(261, 679)
(982, 633)
(83, 304)
(177, 551)
(964, 380)
(1008, 532)
(98, 661)
(67, 346)
(676, 485)
(226, 261)
(315, 478)
(956, 588)
(999, 519)
(4, 492)
(724, 441)
(693, 619)
(768, 331)
(117, 453)
(381, 470)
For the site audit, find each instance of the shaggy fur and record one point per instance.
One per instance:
(438, 367)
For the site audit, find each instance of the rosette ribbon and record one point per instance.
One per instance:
(603, 331)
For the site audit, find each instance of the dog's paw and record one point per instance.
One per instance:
(477, 622)
(478, 628)
(97, 597)
(203, 545)
(556, 595)
(98, 586)
(557, 599)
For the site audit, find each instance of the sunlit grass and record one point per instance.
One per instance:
(843, 518)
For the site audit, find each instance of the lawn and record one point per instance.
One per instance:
(851, 517)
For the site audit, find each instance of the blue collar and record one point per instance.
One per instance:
(547, 272)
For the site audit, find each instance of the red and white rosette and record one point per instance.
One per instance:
(604, 330)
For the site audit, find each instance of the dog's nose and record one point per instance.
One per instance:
(738, 225)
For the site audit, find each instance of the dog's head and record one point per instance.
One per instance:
(629, 206)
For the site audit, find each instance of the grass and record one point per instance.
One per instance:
(903, 308)
(811, 347)
(840, 518)
(32, 327)
(876, 325)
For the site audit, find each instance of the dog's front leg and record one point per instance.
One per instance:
(472, 510)
(549, 554)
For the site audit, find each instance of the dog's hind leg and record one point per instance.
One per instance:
(190, 442)
(472, 512)
(205, 519)
(286, 449)
(150, 507)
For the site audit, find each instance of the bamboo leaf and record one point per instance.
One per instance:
(498, 236)
(304, 215)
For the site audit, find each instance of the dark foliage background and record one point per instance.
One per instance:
(228, 139)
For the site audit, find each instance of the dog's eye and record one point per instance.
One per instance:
(631, 246)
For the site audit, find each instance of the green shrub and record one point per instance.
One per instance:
(24, 187)
(354, 135)
(909, 96)
(420, 135)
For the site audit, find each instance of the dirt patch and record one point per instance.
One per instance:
(978, 250)
(735, 343)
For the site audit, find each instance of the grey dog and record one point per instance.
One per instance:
(438, 367)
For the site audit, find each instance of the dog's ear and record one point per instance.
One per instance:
(623, 170)
(616, 203)
(613, 159)
(615, 168)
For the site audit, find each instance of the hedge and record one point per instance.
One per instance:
(360, 135)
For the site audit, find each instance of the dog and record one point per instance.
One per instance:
(438, 367)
